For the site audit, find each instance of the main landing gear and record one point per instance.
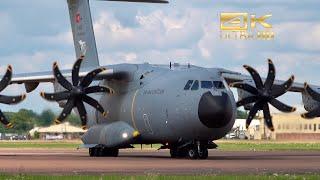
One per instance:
(193, 150)
(103, 152)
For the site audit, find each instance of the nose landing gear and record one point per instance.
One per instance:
(194, 150)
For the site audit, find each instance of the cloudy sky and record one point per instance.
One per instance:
(34, 33)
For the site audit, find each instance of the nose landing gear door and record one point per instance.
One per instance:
(147, 124)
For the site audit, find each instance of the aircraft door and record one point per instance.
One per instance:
(147, 124)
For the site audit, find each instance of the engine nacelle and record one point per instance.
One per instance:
(309, 103)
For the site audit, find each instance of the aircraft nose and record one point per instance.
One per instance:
(215, 111)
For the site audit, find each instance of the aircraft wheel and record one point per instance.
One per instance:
(203, 154)
(94, 152)
(193, 153)
(110, 152)
(174, 153)
(91, 152)
(178, 153)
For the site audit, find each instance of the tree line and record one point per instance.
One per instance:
(24, 120)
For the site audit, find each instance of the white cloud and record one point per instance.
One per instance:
(303, 35)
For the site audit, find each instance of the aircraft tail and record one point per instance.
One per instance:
(82, 30)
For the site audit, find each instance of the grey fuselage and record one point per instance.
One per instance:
(154, 102)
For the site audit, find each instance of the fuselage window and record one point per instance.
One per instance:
(195, 85)
(188, 85)
(206, 84)
(218, 84)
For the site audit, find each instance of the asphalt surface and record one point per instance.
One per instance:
(57, 161)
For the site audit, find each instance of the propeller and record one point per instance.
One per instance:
(6, 80)
(316, 96)
(76, 93)
(263, 94)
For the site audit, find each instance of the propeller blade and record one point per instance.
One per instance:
(61, 79)
(66, 111)
(89, 100)
(255, 76)
(267, 116)
(96, 89)
(59, 96)
(83, 114)
(311, 92)
(283, 88)
(247, 100)
(271, 76)
(252, 113)
(245, 86)
(12, 99)
(75, 71)
(6, 79)
(311, 114)
(4, 121)
(281, 106)
(87, 80)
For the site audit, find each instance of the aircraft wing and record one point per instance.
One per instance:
(47, 76)
(32, 80)
(232, 77)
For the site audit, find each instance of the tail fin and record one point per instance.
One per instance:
(82, 30)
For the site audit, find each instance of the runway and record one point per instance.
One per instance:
(58, 161)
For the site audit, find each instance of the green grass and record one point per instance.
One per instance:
(267, 146)
(223, 145)
(157, 177)
(39, 144)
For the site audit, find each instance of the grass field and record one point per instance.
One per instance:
(39, 144)
(223, 145)
(159, 177)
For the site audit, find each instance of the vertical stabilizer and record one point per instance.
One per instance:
(82, 30)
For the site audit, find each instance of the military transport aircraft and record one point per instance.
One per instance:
(183, 107)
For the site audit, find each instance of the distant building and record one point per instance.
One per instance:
(287, 127)
(294, 127)
(58, 132)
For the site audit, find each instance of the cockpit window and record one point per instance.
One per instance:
(195, 85)
(188, 85)
(206, 84)
(218, 84)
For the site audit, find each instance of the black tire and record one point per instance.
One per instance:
(110, 152)
(193, 153)
(91, 152)
(203, 154)
(114, 153)
(99, 152)
(174, 153)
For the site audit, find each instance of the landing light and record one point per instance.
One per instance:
(124, 135)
